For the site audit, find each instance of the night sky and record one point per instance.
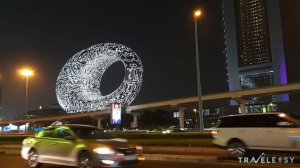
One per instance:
(45, 34)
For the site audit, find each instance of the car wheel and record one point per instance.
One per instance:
(33, 159)
(236, 148)
(85, 160)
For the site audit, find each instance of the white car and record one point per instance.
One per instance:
(263, 131)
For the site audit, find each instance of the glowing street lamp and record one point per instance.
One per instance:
(197, 14)
(27, 73)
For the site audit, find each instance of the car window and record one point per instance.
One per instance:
(286, 122)
(248, 121)
(266, 120)
(62, 132)
(227, 122)
(236, 121)
(269, 121)
(48, 133)
(276, 121)
(88, 132)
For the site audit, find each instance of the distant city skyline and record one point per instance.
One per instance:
(45, 35)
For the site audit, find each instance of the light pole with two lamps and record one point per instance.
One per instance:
(197, 14)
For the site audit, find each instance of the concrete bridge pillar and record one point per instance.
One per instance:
(242, 103)
(181, 116)
(242, 108)
(99, 121)
(27, 128)
(134, 124)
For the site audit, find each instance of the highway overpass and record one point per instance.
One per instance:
(179, 104)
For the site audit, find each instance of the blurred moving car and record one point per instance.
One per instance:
(159, 130)
(176, 129)
(78, 145)
(167, 130)
(263, 131)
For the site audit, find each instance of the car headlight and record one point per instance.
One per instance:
(104, 151)
(25, 142)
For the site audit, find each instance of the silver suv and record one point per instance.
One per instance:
(263, 131)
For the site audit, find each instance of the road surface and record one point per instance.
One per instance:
(15, 161)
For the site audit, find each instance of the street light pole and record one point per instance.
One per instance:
(26, 96)
(196, 125)
(26, 73)
(201, 124)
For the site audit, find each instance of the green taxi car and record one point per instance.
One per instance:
(78, 145)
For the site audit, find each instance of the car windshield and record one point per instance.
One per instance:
(88, 132)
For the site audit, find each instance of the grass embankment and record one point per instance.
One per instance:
(11, 139)
(144, 139)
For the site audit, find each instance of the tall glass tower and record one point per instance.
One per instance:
(254, 44)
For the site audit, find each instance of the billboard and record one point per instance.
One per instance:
(116, 113)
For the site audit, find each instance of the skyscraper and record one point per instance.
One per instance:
(254, 44)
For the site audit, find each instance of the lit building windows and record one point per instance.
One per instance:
(176, 114)
(250, 39)
(252, 32)
(256, 80)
